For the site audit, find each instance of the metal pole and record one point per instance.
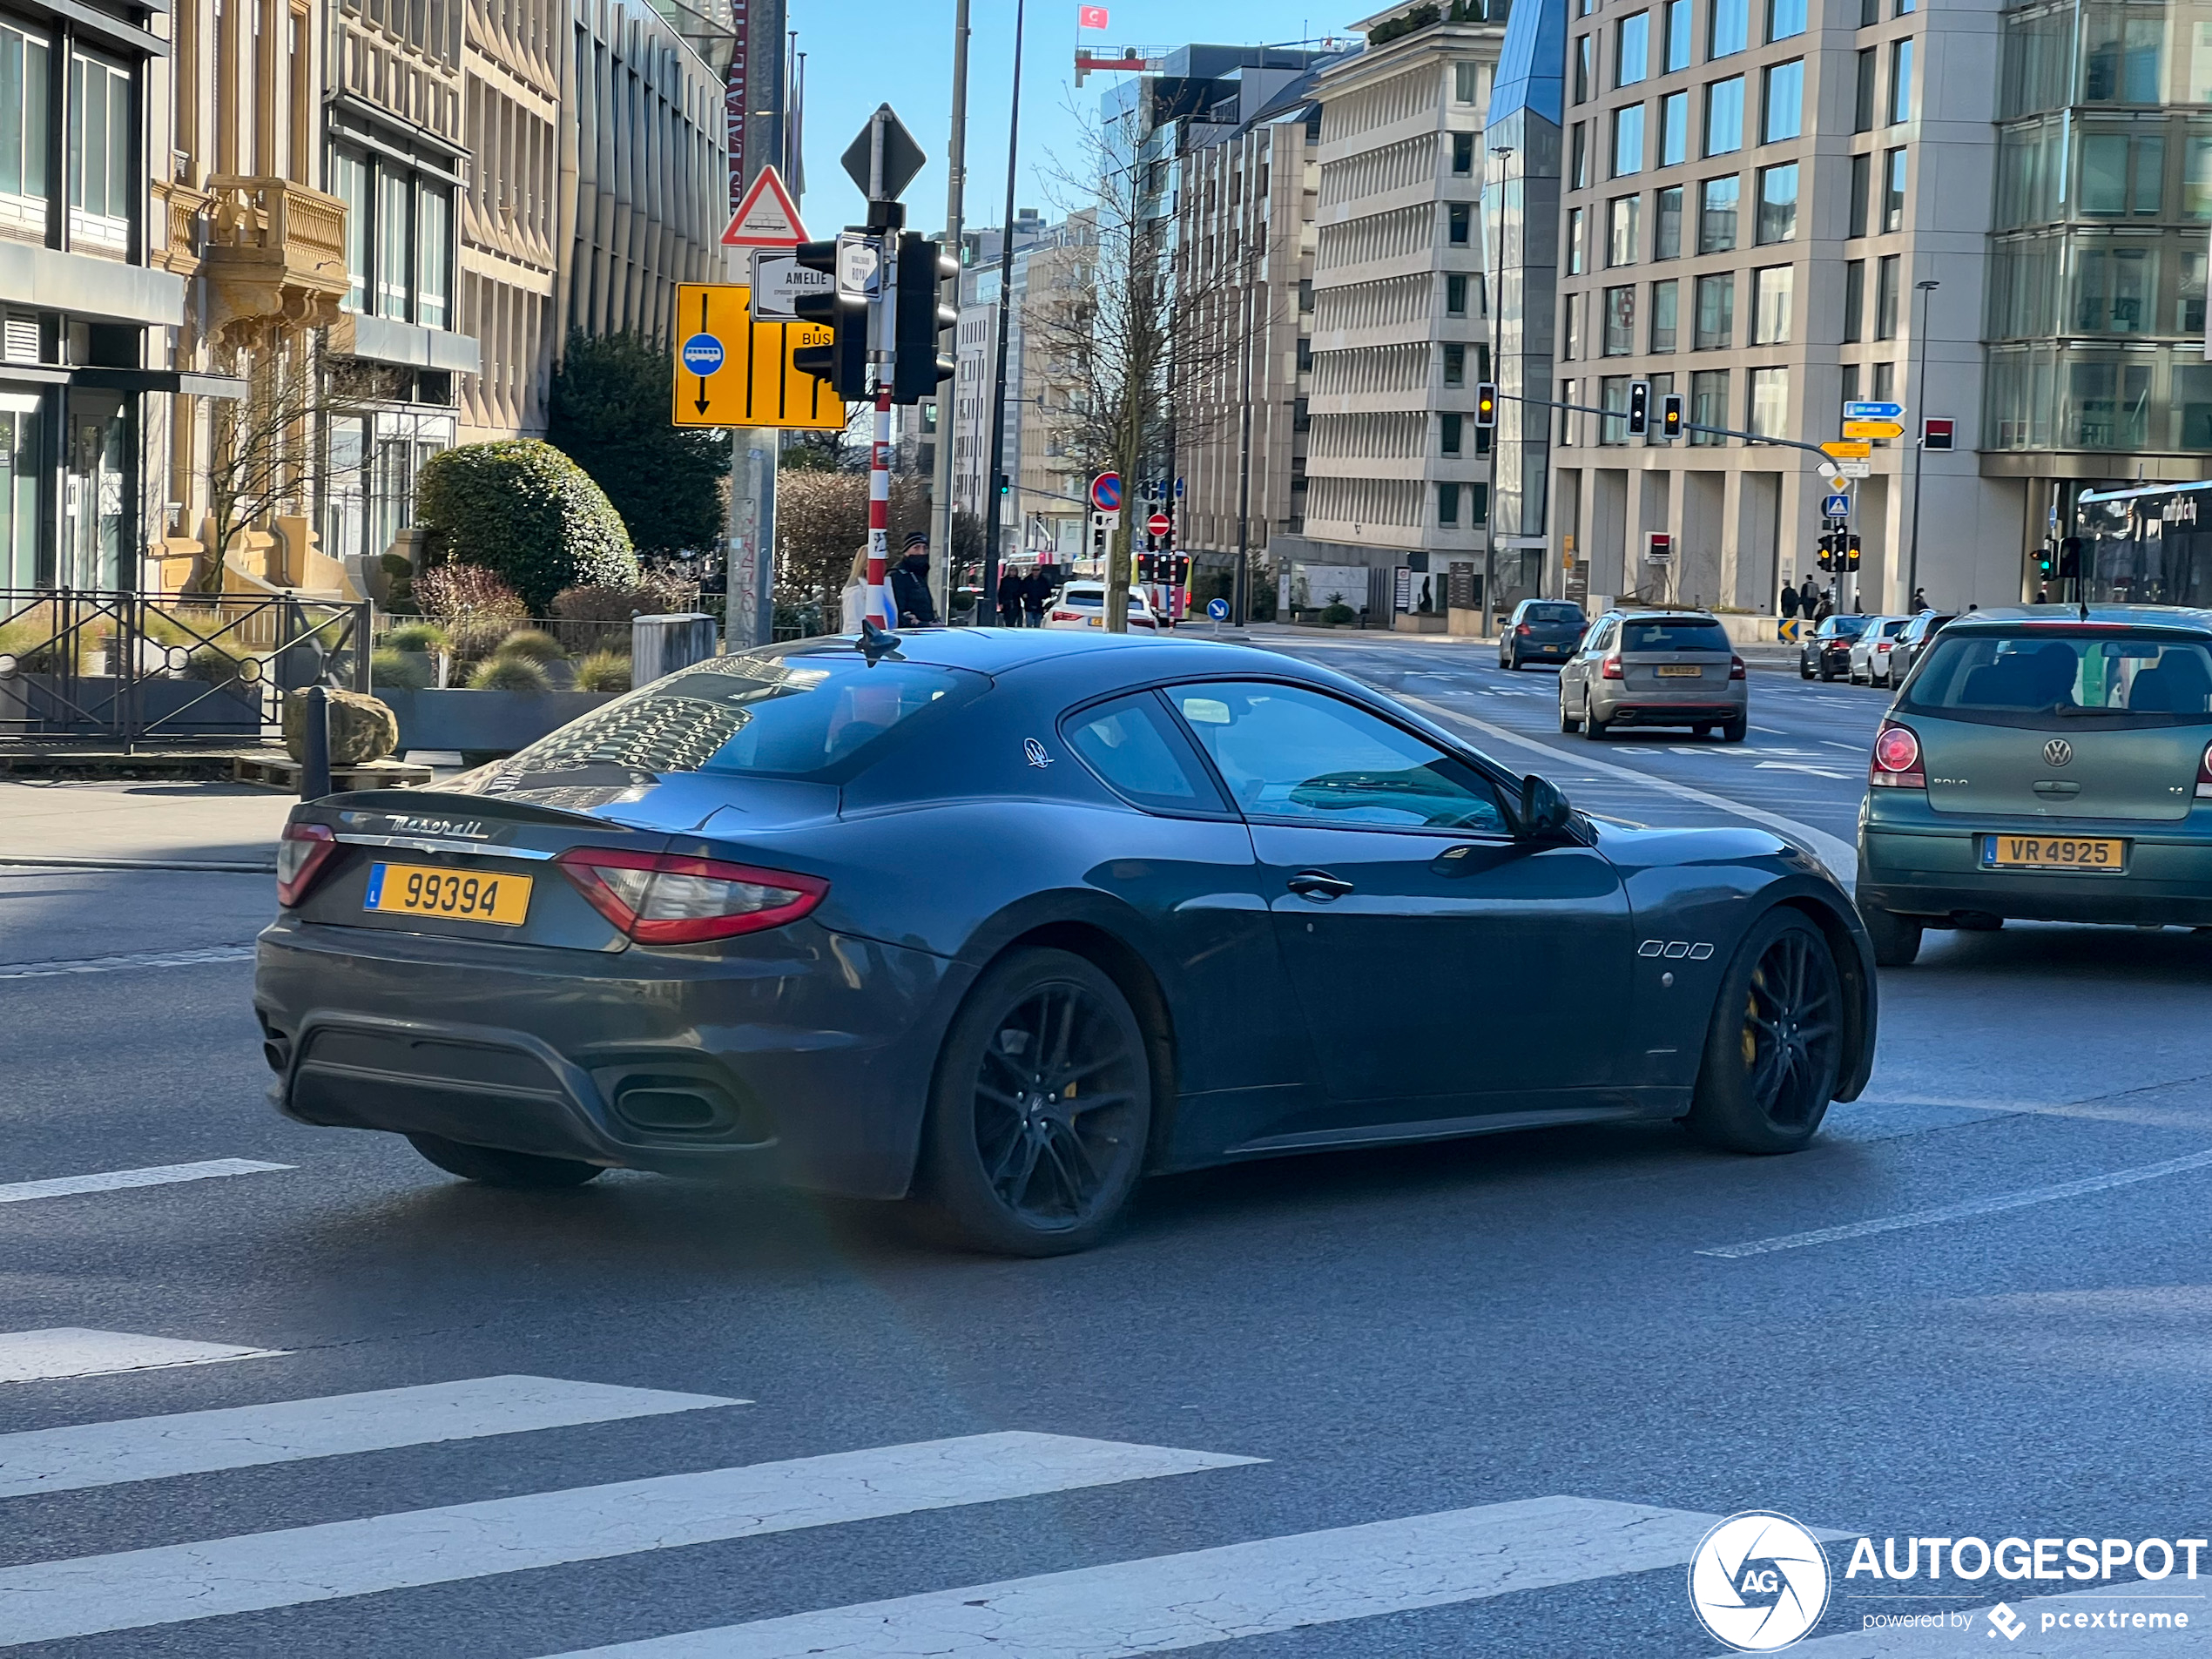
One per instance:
(314, 750)
(955, 186)
(762, 596)
(1241, 605)
(987, 602)
(879, 502)
(1490, 303)
(1919, 448)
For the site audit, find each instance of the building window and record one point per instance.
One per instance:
(1578, 157)
(349, 182)
(1884, 391)
(1772, 289)
(2121, 58)
(1677, 34)
(1771, 402)
(1784, 19)
(1571, 327)
(1728, 24)
(2116, 290)
(1463, 153)
(1665, 297)
(1628, 140)
(1455, 296)
(1455, 365)
(1632, 50)
(1613, 398)
(1886, 281)
(433, 258)
(1900, 81)
(1851, 383)
(1467, 82)
(1863, 94)
(1447, 504)
(1869, 13)
(1724, 116)
(1709, 405)
(1621, 230)
(1458, 215)
(1620, 321)
(1674, 129)
(1574, 262)
(1583, 69)
(1782, 101)
(1893, 191)
(102, 152)
(1862, 181)
(1715, 327)
(22, 128)
(1666, 227)
(1778, 219)
(1717, 215)
(1854, 300)
(1478, 503)
(391, 251)
(1448, 432)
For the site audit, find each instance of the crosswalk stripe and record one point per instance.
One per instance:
(52, 1601)
(66, 1351)
(157, 1175)
(150, 1448)
(1163, 1602)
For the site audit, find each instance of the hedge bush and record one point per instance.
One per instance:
(524, 511)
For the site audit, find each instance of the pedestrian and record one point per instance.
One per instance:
(1920, 601)
(1009, 597)
(1789, 602)
(1823, 608)
(910, 598)
(1036, 593)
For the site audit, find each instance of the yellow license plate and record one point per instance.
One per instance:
(2095, 855)
(460, 895)
(1679, 671)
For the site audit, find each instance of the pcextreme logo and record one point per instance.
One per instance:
(1758, 1581)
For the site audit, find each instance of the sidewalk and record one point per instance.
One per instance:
(130, 825)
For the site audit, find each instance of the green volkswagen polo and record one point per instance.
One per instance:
(2045, 763)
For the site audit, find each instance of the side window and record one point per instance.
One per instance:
(1138, 753)
(1289, 752)
(1601, 640)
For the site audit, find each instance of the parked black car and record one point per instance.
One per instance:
(1825, 652)
(1540, 631)
(1913, 642)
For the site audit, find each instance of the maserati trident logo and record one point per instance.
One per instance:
(2057, 752)
(1034, 752)
(1758, 1581)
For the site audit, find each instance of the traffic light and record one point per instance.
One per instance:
(1639, 408)
(1486, 404)
(917, 362)
(1827, 553)
(2070, 558)
(844, 361)
(1670, 415)
(1851, 551)
(2043, 561)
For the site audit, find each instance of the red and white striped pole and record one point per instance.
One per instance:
(879, 504)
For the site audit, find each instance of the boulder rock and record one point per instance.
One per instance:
(362, 728)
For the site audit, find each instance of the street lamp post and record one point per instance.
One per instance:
(1240, 606)
(987, 601)
(1919, 448)
(1492, 282)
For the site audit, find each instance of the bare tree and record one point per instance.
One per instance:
(262, 448)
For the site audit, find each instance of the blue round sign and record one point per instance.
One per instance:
(702, 354)
(1218, 609)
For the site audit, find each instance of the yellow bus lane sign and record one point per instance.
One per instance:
(732, 371)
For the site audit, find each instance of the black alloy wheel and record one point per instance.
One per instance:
(1775, 1047)
(1042, 1108)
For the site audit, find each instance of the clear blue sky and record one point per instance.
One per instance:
(900, 53)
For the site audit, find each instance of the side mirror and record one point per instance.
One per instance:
(1544, 811)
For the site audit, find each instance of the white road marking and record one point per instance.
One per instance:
(118, 964)
(2102, 1640)
(1838, 855)
(1799, 765)
(66, 1351)
(152, 1448)
(1966, 1208)
(1163, 1602)
(52, 1601)
(157, 1175)
(1772, 731)
(1848, 748)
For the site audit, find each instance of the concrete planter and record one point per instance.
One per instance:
(1466, 622)
(485, 722)
(1419, 622)
(166, 707)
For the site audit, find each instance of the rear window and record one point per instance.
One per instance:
(1083, 600)
(1845, 627)
(1551, 613)
(786, 713)
(1674, 633)
(1892, 626)
(2032, 676)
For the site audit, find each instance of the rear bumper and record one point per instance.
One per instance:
(806, 1061)
(1643, 708)
(1936, 873)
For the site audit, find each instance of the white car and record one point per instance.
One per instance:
(1083, 604)
(1869, 652)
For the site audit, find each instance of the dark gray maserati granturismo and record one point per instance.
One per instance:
(1003, 920)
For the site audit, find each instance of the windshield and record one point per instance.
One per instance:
(2031, 677)
(1674, 633)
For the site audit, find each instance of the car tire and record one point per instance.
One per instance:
(1008, 1168)
(1734, 731)
(496, 1167)
(1803, 673)
(1897, 939)
(1774, 1046)
(1568, 722)
(1593, 728)
(1827, 675)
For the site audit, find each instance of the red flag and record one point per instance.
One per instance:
(1090, 17)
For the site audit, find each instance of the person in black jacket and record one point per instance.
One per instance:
(1037, 594)
(1009, 597)
(910, 600)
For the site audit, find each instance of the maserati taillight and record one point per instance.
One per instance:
(1897, 759)
(301, 852)
(661, 899)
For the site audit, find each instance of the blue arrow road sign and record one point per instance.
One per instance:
(1835, 506)
(1873, 411)
(1218, 609)
(703, 353)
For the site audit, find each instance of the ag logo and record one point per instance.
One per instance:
(1758, 1581)
(1034, 752)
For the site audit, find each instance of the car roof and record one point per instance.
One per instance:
(994, 651)
(1660, 613)
(2059, 617)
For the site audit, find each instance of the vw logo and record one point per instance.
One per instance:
(2057, 751)
(1760, 1581)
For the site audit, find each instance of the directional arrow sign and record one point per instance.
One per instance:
(1857, 451)
(1872, 429)
(884, 158)
(1873, 411)
(1856, 469)
(731, 370)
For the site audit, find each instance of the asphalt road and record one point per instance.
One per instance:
(1349, 1374)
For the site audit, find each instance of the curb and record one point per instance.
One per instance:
(216, 866)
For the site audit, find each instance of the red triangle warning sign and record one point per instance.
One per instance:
(766, 217)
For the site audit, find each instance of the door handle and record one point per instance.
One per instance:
(1318, 884)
